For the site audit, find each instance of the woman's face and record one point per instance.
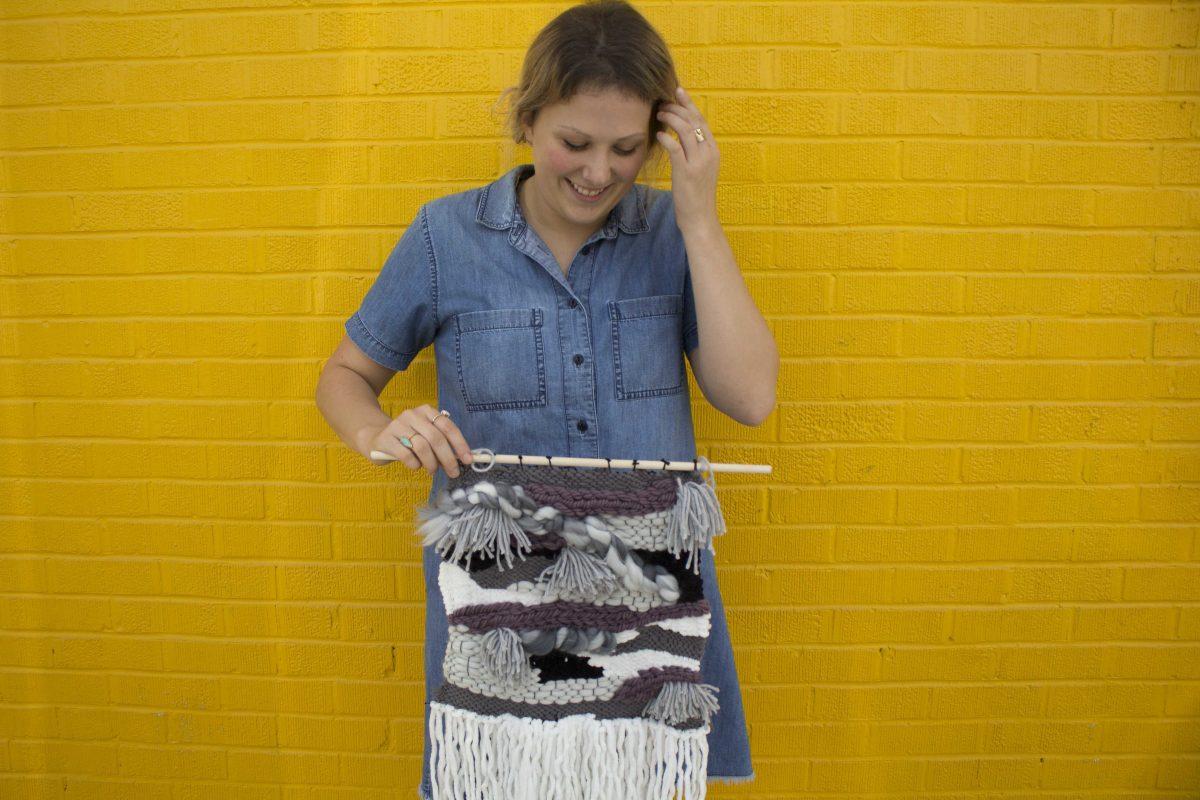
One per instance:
(593, 141)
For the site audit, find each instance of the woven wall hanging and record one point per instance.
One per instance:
(577, 621)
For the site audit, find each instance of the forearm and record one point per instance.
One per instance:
(350, 406)
(738, 355)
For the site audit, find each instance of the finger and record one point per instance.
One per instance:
(389, 442)
(443, 452)
(421, 446)
(670, 145)
(457, 441)
(690, 113)
(693, 111)
(677, 125)
(692, 121)
(441, 419)
(391, 446)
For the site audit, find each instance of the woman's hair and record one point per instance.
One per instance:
(590, 47)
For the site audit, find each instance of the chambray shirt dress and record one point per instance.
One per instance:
(533, 361)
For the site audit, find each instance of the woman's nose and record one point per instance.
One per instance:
(597, 171)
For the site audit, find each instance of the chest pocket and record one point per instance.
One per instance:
(647, 345)
(500, 358)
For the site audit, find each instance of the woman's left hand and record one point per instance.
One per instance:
(693, 163)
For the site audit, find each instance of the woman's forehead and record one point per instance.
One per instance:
(607, 113)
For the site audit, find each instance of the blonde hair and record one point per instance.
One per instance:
(590, 47)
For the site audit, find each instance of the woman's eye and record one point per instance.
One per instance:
(571, 146)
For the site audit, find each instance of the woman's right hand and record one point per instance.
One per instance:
(434, 444)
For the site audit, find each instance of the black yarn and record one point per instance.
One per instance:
(558, 665)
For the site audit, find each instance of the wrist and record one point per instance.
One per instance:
(704, 227)
(365, 437)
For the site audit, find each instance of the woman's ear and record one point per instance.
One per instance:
(527, 120)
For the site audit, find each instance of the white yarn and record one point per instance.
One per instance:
(575, 758)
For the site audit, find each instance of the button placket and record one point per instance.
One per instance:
(580, 383)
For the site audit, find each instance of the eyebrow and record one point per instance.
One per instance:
(623, 138)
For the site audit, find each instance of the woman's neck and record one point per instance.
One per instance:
(531, 208)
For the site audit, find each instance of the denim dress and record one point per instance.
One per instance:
(532, 361)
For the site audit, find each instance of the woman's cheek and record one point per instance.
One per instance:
(560, 161)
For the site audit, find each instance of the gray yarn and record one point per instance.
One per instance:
(678, 701)
(572, 640)
(621, 479)
(494, 518)
(504, 656)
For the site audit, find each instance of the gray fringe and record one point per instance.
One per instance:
(679, 701)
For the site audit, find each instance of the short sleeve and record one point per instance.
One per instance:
(398, 316)
(691, 332)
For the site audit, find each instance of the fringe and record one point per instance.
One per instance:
(504, 656)
(695, 519)
(482, 757)
(679, 701)
(577, 571)
(478, 529)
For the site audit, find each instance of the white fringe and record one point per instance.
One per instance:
(483, 757)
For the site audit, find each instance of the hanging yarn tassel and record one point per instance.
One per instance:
(679, 701)
(476, 529)
(576, 571)
(504, 656)
(695, 519)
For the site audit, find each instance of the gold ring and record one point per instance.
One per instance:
(699, 135)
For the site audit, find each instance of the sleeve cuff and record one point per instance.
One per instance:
(379, 352)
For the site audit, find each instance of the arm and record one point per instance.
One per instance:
(737, 362)
(348, 395)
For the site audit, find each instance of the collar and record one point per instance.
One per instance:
(498, 207)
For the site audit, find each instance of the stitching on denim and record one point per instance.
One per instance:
(615, 317)
(539, 348)
(432, 259)
(390, 351)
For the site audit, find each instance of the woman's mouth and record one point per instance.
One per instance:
(586, 198)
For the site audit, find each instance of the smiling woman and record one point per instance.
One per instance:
(559, 300)
(580, 176)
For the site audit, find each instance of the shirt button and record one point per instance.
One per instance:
(572, 303)
(581, 424)
(578, 359)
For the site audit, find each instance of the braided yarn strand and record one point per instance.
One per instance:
(497, 519)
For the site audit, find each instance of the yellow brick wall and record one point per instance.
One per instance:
(975, 571)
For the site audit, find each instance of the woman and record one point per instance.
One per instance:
(560, 300)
